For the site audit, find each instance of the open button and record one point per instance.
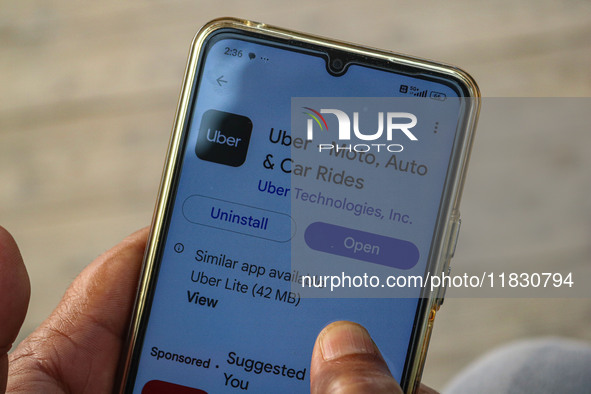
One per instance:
(361, 245)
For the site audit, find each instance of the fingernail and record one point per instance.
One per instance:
(343, 339)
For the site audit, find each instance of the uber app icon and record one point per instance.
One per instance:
(223, 138)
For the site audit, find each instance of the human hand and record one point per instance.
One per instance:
(78, 347)
(345, 360)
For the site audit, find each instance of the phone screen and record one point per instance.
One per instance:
(225, 312)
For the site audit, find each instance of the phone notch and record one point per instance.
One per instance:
(337, 62)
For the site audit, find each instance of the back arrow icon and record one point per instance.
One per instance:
(220, 80)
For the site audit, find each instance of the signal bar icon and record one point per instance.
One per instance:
(420, 94)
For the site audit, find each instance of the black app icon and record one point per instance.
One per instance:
(223, 138)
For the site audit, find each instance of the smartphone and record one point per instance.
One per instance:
(306, 179)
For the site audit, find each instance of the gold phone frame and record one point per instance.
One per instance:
(448, 216)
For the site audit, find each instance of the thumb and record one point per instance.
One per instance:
(346, 360)
(14, 298)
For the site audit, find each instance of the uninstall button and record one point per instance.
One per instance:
(239, 218)
(361, 245)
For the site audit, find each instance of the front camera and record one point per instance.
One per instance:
(337, 65)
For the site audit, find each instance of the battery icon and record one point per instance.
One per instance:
(437, 96)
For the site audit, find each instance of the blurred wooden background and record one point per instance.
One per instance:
(87, 98)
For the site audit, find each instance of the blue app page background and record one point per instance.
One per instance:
(217, 324)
